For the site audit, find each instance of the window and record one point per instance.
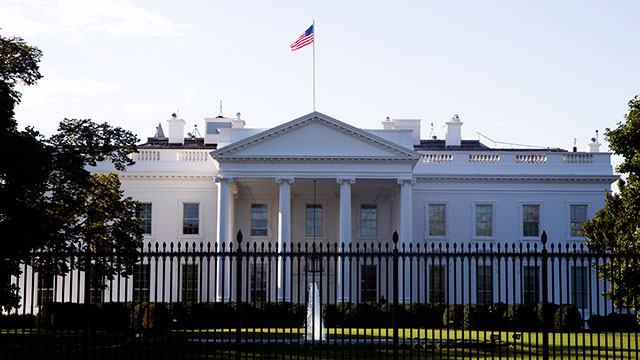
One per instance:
(189, 282)
(45, 287)
(530, 284)
(579, 287)
(313, 220)
(437, 219)
(314, 264)
(530, 220)
(190, 218)
(437, 283)
(368, 220)
(578, 218)
(258, 282)
(484, 284)
(96, 292)
(368, 283)
(144, 214)
(141, 281)
(484, 220)
(258, 219)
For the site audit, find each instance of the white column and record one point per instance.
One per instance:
(284, 237)
(224, 220)
(406, 237)
(345, 239)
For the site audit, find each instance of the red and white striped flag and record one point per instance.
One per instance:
(305, 39)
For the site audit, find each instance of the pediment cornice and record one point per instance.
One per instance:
(516, 178)
(231, 152)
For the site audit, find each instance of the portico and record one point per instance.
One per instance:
(289, 193)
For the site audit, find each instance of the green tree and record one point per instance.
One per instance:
(616, 227)
(49, 200)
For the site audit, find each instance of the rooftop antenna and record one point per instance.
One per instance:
(220, 115)
(194, 133)
(596, 135)
(178, 112)
(575, 145)
(432, 133)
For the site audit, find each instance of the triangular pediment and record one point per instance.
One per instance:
(314, 136)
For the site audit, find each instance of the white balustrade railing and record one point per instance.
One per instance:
(192, 156)
(437, 158)
(531, 158)
(482, 158)
(145, 155)
(577, 158)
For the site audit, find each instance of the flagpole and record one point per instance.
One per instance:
(313, 23)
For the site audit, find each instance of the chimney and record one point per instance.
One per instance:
(452, 132)
(237, 123)
(176, 130)
(594, 146)
(387, 124)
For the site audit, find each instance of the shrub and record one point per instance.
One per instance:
(17, 321)
(522, 317)
(453, 316)
(621, 322)
(549, 314)
(597, 323)
(66, 316)
(112, 316)
(427, 316)
(497, 316)
(568, 318)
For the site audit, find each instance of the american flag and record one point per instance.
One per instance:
(305, 39)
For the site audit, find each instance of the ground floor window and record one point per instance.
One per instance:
(437, 276)
(141, 280)
(96, 293)
(484, 284)
(579, 287)
(45, 287)
(189, 282)
(258, 282)
(530, 284)
(368, 283)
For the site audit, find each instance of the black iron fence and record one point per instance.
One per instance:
(320, 300)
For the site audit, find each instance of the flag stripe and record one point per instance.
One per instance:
(305, 39)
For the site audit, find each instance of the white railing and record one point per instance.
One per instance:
(577, 158)
(531, 158)
(192, 156)
(437, 158)
(145, 155)
(480, 158)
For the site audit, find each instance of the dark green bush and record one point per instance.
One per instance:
(497, 316)
(453, 316)
(112, 316)
(427, 316)
(522, 317)
(568, 318)
(17, 321)
(549, 314)
(67, 316)
(622, 322)
(475, 317)
(597, 323)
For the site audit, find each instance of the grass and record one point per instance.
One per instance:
(346, 344)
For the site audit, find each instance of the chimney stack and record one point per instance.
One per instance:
(594, 146)
(176, 130)
(453, 135)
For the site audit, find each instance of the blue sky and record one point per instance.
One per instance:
(540, 73)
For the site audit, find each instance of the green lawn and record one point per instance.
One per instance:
(343, 344)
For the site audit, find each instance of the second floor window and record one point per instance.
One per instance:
(144, 214)
(368, 220)
(437, 220)
(313, 219)
(484, 220)
(258, 219)
(191, 219)
(530, 220)
(578, 218)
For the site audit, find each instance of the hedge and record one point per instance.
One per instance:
(217, 315)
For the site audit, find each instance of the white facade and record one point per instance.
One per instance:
(430, 191)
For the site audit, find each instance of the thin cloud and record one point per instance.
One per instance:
(52, 89)
(74, 19)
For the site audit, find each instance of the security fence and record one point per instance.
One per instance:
(326, 300)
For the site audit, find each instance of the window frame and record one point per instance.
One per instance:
(258, 294)
(484, 296)
(437, 294)
(536, 286)
(200, 233)
(187, 293)
(377, 222)
(521, 206)
(368, 293)
(146, 277)
(268, 208)
(474, 232)
(323, 206)
(447, 217)
(150, 219)
(582, 302)
(45, 295)
(569, 206)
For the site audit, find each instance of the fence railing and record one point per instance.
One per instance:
(373, 300)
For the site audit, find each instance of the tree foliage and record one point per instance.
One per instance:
(49, 200)
(616, 227)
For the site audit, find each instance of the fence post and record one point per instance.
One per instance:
(87, 300)
(545, 295)
(239, 294)
(395, 295)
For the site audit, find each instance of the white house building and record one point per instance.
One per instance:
(319, 179)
